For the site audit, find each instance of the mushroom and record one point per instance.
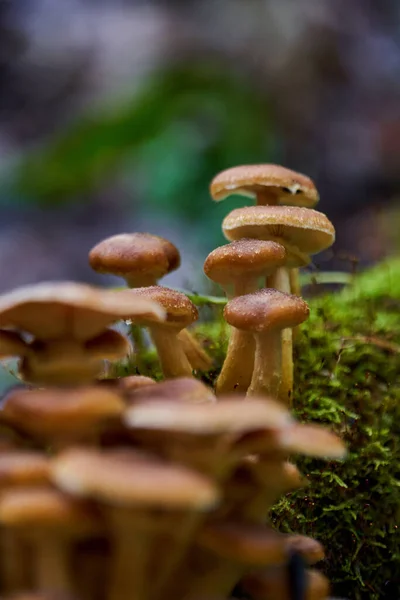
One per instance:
(201, 436)
(142, 260)
(237, 267)
(180, 312)
(267, 183)
(60, 416)
(50, 521)
(266, 313)
(18, 468)
(62, 318)
(229, 549)
(60, 361)
(270, 185)
(303, 232)
(130, 486)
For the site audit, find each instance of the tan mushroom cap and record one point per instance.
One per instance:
(255, 545)
(287, 186)
(65, 309)
(21, 467)
(181, 389)
(40, 507)
(109, 345)
(244, 258)
(231, 415)
(311, 550)
(264, 310)
(179, 310)
(298, 438)
(53, 411)
(134, 255)
(127, 477)
(301, 229)
(12, 344)
(134, 382)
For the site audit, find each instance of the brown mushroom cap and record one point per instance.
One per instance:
(231, 415)
(51, 311)
(243, 258)
(131, 478)
(180, 311)
(134, 255)
(134, 382)
(39, 507)
(309, 548)
(255, 545)
(22, 468)
(54, 411)
(181, 389)
(266, 309)
(289, 187)
(109, 345)
(303, 229)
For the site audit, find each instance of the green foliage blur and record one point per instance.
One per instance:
(184, 125)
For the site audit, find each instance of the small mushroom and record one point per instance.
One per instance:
(50, 521)
(266, 313)
(142, 260)
(237, 267)
(65, 310)
(130, 485)
(62, 415)
(180, 312)
(267, 183)
(303, 232)
(62, 361)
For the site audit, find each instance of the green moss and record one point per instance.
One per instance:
(346, 377)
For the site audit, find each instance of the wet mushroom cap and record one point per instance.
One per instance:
(304, 228)
(54, 310)
(245, 257)
(53, 410)
(181, 389)
(266, 309)
(130, 254)
(179, 310)
(288, 186)
(129, 477)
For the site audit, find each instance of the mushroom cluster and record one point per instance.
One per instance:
(112, 489)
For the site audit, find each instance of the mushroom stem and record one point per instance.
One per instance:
(197, 357)
(130, 560)
(13, 575)
(295, 287)
(52, 558)
(281, 281)
(174, 362)
(237, 370)
(267, 364)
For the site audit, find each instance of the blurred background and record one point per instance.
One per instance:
(115, 115)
